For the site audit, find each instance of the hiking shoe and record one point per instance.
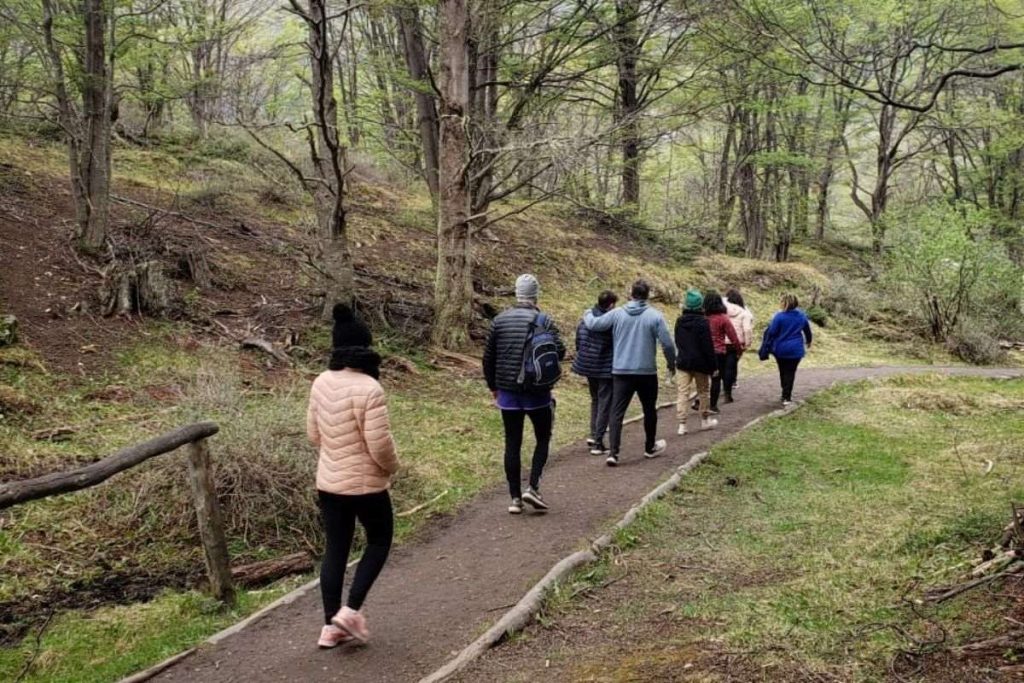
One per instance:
(516, 506)
(533, 498)
(659, 447)
(353, 623)
(708, 423)
(612, 460)
(682, 430)
(598, 448)
(332, 636)
(728, 397)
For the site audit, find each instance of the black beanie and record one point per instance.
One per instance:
(349, 329)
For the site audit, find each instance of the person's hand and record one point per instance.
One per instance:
(494, 397)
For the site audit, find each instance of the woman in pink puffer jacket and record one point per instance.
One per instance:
(348, 421)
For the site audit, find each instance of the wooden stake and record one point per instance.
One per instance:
(211, 526)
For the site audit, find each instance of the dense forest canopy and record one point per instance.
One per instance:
(740, 125)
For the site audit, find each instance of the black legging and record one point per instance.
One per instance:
(787, 375)
(716, 381)
(514, 421)
(339, 513)
(623, 388)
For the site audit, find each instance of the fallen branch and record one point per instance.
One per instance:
(940, 595)
(414, 510)
(265, 571)
(168, 212)
(1013, 639)
(265, 346)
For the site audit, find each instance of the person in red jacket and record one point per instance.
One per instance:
(722, 333)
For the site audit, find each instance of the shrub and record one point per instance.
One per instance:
(947, 263)
(974, 346)
(848, 298)
(817, 315)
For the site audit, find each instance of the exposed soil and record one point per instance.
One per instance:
(439, 592)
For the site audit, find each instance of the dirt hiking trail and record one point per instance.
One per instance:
(443, 589)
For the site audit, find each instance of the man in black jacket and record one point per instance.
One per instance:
(695, 360)
(594, 361)
(504, 358)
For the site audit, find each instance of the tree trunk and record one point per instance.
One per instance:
(411, 28)
(453, 293)
(328, 158)
(88, 133)
(628, 49)
(726, 192)
(95, 162)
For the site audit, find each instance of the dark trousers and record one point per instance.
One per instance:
(716, 381)
(600, 406)
(787, 375)
(339, 513)
(732, 368)
(623, 388)
(543, 420)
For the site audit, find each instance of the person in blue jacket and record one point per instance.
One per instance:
(594, 361)
(784, 339)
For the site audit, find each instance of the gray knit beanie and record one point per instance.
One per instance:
(527, 288)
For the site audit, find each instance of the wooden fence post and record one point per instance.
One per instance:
(211, 526)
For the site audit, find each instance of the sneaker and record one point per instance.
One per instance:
(332, 636)
(715, 411)
(533, 498)
(708, 423)
(786, 403)
(353, 623)
(728, 397)
(612, 460)
(682, 430)
(659, 447)
(695, 405)
(516, 506)
(599, 449)
(591, 442)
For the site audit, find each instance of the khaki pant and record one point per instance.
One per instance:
(688, 383)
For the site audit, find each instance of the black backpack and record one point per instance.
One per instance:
(541, 368)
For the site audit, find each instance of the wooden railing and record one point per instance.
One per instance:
(194, 438)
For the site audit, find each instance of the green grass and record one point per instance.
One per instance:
(113, 642)
(842, 510)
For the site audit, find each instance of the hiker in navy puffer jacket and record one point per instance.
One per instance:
(594, 361)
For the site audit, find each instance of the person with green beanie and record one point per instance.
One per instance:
(695, 360)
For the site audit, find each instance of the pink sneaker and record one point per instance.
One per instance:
(352, 622)
(332, 636)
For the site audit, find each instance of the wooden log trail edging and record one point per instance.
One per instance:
(15, 492)
(531, 603)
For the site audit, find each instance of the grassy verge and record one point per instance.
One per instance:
(801, 549)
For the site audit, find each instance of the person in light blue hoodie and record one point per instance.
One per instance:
(637, 329)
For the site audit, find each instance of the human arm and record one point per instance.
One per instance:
(312, 425)
(600, 323)
(808, 337)
(747, 328)
(767, 340)
(559, 343)
(730, 334)
(490, 360)
(377, 432)
(668, 345)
